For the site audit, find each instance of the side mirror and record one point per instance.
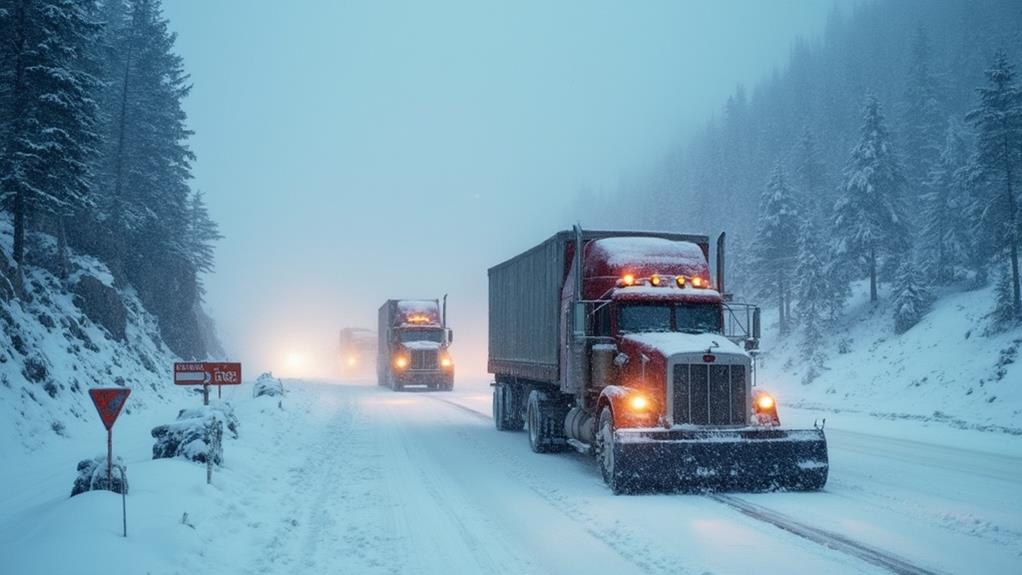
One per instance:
(755, 324)
(450, 335)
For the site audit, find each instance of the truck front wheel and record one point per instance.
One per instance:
(605, 455)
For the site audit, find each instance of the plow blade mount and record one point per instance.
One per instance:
(756, 459)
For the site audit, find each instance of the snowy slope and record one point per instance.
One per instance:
(51, 352)
(948, 369)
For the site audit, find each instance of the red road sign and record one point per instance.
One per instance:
(212, 373)
(109, 401)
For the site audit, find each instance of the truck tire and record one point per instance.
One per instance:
(605, 456)
(505, 416)
(545, 419)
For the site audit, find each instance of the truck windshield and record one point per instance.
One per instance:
(691, 318)
(407, 335)
(699, 318)
(644, 318)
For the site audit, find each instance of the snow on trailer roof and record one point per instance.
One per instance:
(564, 236)
(618, 252)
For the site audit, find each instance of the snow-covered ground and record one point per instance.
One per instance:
(947, 371)
(354, 478)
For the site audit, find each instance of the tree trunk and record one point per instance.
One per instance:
(118, 229)
(1012, 234)
(19, 96)
(63, 264)
(782, 323)
(873, 274)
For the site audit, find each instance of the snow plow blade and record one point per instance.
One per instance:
(754, 460)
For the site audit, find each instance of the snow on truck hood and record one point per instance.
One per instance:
(421, 345)
(671, 343)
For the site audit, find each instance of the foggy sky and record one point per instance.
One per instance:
(355, 151)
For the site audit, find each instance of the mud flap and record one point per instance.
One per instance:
(764, 459)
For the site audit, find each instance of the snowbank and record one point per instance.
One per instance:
(947, 370)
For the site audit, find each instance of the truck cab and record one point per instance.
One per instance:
(414, 345)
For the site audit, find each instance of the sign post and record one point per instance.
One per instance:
(206, 373)
(109, 401)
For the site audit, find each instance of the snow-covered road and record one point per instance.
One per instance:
(359, 479)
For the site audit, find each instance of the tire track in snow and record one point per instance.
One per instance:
(331, 493)
(822, 537)
(617, 537)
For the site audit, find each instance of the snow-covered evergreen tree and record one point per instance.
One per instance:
(1003, 315)
(998, 164)
(202, 233)
(810, 177)
(911, 298)
(923, 120)
(813, 291)
(869, 215)
(51, 131)
(777, 244)
(944, 226)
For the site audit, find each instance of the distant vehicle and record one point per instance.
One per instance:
(619, 342)
(414, 343)
(357, 350)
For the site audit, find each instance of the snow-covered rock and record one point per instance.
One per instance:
(196, 435)
(267, 385)
(92, 476)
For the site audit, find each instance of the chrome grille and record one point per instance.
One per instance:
(709, 394)
(424, 359)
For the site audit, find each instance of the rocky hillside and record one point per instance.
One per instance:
(66, 336)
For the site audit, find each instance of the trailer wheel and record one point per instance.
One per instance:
(505, 416)
(545, 422)
(605, 455)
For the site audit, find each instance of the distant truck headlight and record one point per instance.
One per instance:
(401, 362)
(446, 362)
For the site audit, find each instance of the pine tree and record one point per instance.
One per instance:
(944, 227)
(1003, 315)
(869, 215)
(911, 300)
(998, 163)
(51, 136)
(810, 176)
(202, 232)
(923, 121)
(777, 244)
(813, 291)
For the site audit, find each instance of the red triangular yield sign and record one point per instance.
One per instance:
(109, 401)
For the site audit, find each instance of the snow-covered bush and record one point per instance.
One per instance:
(266, 384)
(221, 410)
(92, 476)
(196, 435)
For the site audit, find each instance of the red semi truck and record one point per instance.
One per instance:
(414, 343)
(619, 343)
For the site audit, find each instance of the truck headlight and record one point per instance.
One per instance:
(401, 362)
(446, 362)
(639, 402)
